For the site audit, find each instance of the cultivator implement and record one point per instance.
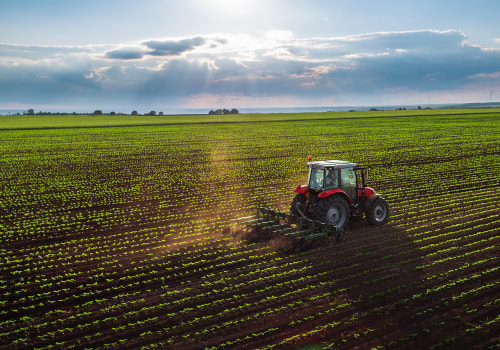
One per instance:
(296, 232)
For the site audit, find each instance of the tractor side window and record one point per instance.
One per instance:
(348, 181)
(331, 180)
(316, 179)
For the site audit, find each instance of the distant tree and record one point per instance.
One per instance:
(112, 113)
(134, 113)
(223, 111)
(161, 113)
(30, 112)
(98, 112)
(151, 113)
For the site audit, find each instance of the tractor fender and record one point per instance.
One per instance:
(302, 189)
(368, 192)
(370, 200)
(328, 193)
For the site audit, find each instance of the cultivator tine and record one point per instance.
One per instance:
(296, 231)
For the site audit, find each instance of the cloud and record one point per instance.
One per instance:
(362, 68)
(161, 48)
(173, 47)
(37, 52)
(125, 54)
(495, 75)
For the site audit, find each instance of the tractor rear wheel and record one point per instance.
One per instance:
(378, 212)
(334, 210)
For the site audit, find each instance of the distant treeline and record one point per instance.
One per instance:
(99, 112)
(96, 112)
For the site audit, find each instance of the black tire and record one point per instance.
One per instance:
(334, 210)
(378, 212)
(299, 198)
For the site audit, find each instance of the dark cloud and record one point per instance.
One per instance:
(173, 47)
(125, 54)
(47, 85)
(367, 64)
(160, 48)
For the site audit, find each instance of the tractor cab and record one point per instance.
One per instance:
(334, 176)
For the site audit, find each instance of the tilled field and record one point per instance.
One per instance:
(123, 237)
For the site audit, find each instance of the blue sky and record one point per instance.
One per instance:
(123, 55)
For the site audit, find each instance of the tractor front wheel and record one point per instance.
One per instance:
(378, 212)
(334, 210)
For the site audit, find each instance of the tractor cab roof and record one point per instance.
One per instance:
(335, 164)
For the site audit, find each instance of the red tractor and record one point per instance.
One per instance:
(335, 192)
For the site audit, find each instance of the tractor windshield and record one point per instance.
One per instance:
(331, 179)
(316, 179)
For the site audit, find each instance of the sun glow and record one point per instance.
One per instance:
(230, 7)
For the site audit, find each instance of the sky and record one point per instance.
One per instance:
(124, 55)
